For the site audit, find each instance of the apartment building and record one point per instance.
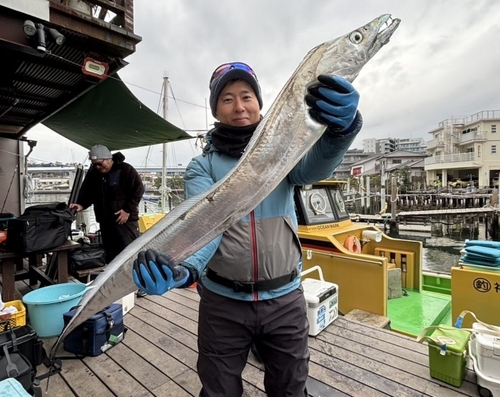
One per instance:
(352, 156)
(465, 147)
(384, 165)
(389, 145)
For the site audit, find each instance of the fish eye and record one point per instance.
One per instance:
(356, 37)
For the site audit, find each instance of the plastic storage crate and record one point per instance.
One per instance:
(17, 319)
(447, 355)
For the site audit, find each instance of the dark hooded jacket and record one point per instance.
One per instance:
(119, 189)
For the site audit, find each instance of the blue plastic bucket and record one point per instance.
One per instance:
(47, 305)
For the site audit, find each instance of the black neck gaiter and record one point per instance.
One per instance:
(232, 140)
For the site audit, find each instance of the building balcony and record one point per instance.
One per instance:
(484, 115)
(435, 143)
(449, 159)
(472, 137)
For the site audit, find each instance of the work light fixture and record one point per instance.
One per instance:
(39, 32)
(41, 46)
(56, 36)
(29, 28)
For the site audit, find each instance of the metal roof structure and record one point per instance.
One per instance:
(37, 81)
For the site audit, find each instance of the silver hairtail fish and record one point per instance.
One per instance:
(282, 138)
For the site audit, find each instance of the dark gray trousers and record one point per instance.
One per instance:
(116, 237)
(227, 328)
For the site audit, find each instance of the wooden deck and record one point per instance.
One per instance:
(159, 352)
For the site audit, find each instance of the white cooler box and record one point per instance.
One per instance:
(487, 352)
(322, 303)
(492, 385)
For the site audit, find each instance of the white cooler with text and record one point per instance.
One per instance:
(322, 303)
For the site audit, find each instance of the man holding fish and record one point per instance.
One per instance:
(251, 273)
(236, 231)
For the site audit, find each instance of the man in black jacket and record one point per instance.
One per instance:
(115, 189)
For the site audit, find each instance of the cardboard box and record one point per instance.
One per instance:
(447, 355)
(322, 304)
(127, 302)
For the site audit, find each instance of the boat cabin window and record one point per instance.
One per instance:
(339, 202)
(319, 204)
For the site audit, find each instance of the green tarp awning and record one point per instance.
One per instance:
(111, 115)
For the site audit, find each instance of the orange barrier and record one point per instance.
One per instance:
(352, 244)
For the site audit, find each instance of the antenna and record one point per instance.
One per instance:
(164, 189)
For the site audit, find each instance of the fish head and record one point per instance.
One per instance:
(346, 55)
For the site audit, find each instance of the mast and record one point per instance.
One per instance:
(163, 188)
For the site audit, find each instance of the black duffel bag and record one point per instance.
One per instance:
(40, 228)
(89, 256)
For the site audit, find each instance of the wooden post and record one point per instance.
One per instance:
(383, 202)
(394, 229)
(495, 221)
(394, 197)
(362, 194)
(494, 198)
(368, 202)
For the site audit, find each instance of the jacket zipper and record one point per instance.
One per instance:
(255, 263)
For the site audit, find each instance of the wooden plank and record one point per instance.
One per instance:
(388, 341)
(112, 375)
(392, 377)
(171, 389)
(157, 347)
(393, 358)
(318, 389)
(341, 383)
(58, 387)
(144, 372)
(369, 377)
(81, 379)
(159, 353)
(189, 382)
(171, 311)
(173, 328)
(186, 298)
(348, 385)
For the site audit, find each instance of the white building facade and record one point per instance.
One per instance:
(465, 147)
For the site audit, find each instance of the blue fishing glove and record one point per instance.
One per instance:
(333, 101)
(153, 274)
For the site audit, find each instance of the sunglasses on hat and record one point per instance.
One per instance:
(226, 67)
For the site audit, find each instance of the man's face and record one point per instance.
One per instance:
(102, 165)
(238, 105)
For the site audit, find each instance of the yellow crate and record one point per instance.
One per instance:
(17, 319)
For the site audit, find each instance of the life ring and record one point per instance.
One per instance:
(352, 244)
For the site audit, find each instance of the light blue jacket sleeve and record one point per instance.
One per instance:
(197, 180)
(325, 156)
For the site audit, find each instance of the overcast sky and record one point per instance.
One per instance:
(443, 61)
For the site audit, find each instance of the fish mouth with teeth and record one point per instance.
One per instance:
(387, 29)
